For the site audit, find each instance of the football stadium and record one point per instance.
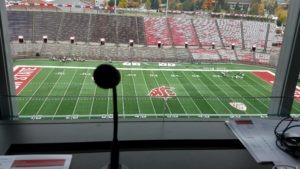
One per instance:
(200, 65)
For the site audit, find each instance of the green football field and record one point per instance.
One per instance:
(67, 91)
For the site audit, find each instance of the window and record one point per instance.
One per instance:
(183, 66)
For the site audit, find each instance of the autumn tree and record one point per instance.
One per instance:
(148, 4)
(281, 13)
(133, 3)
(261, 9)
(207, 4)
(123, 4)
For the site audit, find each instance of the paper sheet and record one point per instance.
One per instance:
(35, 162)
(257, 135)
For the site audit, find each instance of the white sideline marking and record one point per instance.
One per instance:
(148, 115)
(152, 69)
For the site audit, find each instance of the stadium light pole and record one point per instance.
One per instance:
(115, 6)
(167, 8)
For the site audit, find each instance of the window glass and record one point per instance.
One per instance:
(210, 59)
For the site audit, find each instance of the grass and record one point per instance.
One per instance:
(62, 92)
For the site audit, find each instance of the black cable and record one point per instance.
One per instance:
(281, 141)
(284, 119)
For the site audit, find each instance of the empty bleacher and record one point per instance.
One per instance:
(262, 58)
(273, 37)
(183, 31)
(20, 23)
(46, 23)
(116, 29)
(126, 27)
(245, 56)
(74, 24)
(230, 31)
(205, 54)
(254, 34)
(227, 54)
(102, 26)
(207, 31)
(157, 30)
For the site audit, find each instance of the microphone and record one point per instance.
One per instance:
(108, 77)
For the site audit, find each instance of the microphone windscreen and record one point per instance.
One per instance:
(106, 76)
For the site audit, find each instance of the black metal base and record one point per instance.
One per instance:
(121, 166)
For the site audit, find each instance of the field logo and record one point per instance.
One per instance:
(162, 91)
(238, 105)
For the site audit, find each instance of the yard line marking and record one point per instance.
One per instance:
(49, 94)
(94, 97)
(166, 104)
(148, 90)
(240, 95)
(262, 93)
(189, 96)
(200, 93)
(107, 106)
(251, 93)
(214, 93)
(41, 84)
(123, 105)
(61, 100)
(270, 80)
(176, 97)
(153, 69)
(79, 93)
(153, 115)
(137, 99)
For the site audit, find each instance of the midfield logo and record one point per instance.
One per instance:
(162, 91)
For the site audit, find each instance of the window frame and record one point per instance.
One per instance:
(282, 93)
(8, 108)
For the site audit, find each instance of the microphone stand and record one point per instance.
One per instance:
(114, 155)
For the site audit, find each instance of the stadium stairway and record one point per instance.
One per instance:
(235, 54)
(170, 32)
(219, 32)
(89, 29)
(267, 37)
(242, 34)
(198, 39)
(60, 26)
(218, 53)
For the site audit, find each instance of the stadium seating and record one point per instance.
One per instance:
(176, 54)
(141, 31)
(230, 31)
(127, 28)
(183, 31)
(102, 27)
(227, 54)
(273, 38)
(74, 24)
(46, 23)
(152, 54)
(245, 56)
(262, 58)
(20, 23)
(205, 54)
(157, 30)
(207, 31)
(117, 29)
(254, 34)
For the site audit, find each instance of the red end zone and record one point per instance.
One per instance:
(23, 75)
(269, 78)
